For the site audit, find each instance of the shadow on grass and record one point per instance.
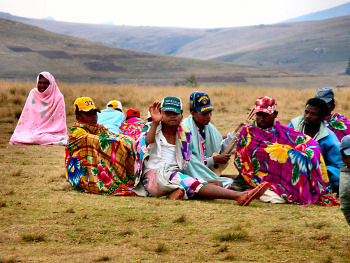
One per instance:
(232, 236)
(33, 238)
(181, 219)
(161, 248)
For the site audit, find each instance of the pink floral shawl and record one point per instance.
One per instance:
(43, 119)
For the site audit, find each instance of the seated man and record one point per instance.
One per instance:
(206, 140)
(163, 151)
(112, 117)
(335, 122)
(289, 160)
(344, 182)
(133, 124)
(312, 124)
(98, 161)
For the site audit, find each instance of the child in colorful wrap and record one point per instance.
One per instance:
(163, 151)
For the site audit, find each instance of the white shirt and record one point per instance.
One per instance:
(161, 152)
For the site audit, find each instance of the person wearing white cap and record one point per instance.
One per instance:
(344, 182)
(112, 117)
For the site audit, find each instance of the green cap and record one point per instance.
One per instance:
(172, 104)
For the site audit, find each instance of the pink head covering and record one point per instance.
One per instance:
(265, 104)
(43, 119)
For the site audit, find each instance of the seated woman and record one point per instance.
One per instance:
(43, 119)
(133, 124)
(97, 160)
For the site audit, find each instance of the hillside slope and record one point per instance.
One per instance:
(26, 50)
(341, 10)
(315, 46)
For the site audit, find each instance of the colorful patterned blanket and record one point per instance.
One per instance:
(290, 161)
(338, 124)
(99, 161)
(132, 127)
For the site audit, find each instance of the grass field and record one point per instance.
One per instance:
(42, 219)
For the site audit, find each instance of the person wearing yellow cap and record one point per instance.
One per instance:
(97, 160)
(112, 117)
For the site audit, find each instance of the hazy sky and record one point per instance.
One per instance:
(176, 13)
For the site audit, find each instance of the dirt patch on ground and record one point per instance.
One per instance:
(19, 49)
(104, 66)
(55, 54)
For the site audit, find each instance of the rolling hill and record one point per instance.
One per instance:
(314, 46)
(27, 50)
(341, 10)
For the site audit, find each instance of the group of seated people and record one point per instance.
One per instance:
(113, 154)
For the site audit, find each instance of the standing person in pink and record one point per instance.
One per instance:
(43, 119)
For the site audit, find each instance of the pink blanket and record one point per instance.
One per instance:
(43, 119)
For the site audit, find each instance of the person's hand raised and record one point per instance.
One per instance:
(155, 112)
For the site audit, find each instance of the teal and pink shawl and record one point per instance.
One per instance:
(338, 124)
(290, 161)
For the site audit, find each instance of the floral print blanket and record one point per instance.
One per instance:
(99, 161)
(290, 161)
(132, 127)
(338, 124)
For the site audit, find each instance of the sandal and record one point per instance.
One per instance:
(176, 194)
(253, 194)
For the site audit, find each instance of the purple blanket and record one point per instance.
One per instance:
(289, 160)
(338, 124)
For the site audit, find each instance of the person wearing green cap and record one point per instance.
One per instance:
(164, 150)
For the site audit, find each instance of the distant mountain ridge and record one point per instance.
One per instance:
(342, 10)
(27, 50)
(312, 46)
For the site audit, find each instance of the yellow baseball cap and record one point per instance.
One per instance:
(85, 104)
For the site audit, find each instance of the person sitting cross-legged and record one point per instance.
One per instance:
(312, 124)
(133, 124)
(112, 117)
(163, 151)
(336, 122)
(344, 182)
(97, 160)
(206, 141)
(289, 160)
(43, 119)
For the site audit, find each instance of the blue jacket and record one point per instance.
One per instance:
(330, 148)
(111, 119)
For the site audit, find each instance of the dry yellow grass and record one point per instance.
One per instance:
(44, 220)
